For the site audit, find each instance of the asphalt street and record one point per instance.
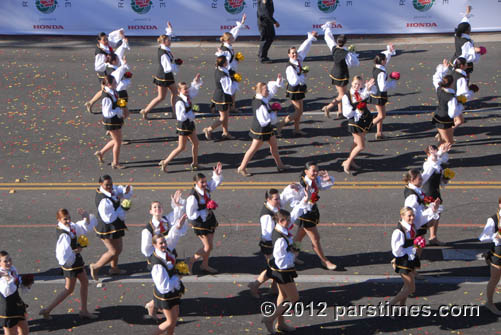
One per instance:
(47, 140)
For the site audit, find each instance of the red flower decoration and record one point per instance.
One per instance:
(483, 50)
(395, 75)
(212, 204)
(474, 88)
(178, 61)
(420, 242)
(314, 197)
(128, 74)
(361, 105)
(277, 107)
(428, 199)
(27, 279)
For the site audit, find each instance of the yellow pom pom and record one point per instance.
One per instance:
(239, 56)
(182, 268)
(462, 99)
(237, 77)
(126, 203)
(449, 174)
(83, 241)
(195, 108)
(122, 103)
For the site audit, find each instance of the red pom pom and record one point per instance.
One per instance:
(361, 105)
(474, 88)
(483, 51)
(428, 199)
(277, 107)
(128, 74)
(211, 204)
(27, 279)
(420, 242)
(314, 197)
(178, 61)
(395, 75)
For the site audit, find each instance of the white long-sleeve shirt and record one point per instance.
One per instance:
(167, 65)
(232, 63)
(398, 240)
(118, 74)
(348, 110)
(263, 115)
(171, 224)
(228, 86)
(490, 232)
(440, 72)
(107, 104)
(430, 166)
(468, 49)
(181, 114)
(292, 77)
(462, 86)
(421, 215)
(268, 224)
(383, 80)
(351, 58)
(192, 210)
(105, 208)
(283, 259)
(113, 38)
(8, 287)
(64, 252)
(161, 279)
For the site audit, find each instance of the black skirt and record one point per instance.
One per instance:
(442, 124)
(405, 266)
(123, 95)
(281, 276)
(166, 81)
(363, 125)
(185, 128)
(100, 78)
(339, 81)
(113, 231)
(296, 93)
(168, 300)
(113, 123)
(201, 228)
(310, 219)
(222, 106)
(72, 270)
(494, 255)
(12, 310)
(261, 136)
(266, 247)
(379, 100)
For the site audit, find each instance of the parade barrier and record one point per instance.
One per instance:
(212, 17)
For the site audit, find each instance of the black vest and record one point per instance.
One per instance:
(340, 69)
(74, 241)
(495, 218)
(113, 102)
(232, 52)
(442, 112)
(432, 186)
(160, 72)
(408, 242)
(154, 259)
(219, 95)
(100, 196)
(149, 226)
(456, 76)
(184, 125)
(275, 235)
(375, 73)
(266, 211)
(408, 191)
(197, 197)
(459, 42)
(256, 127)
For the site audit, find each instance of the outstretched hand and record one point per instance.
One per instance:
(169, 25)
(314, 33)
(176, 197)
(324, 175)
(218, 168)
(197, 78)
(243, 18)
(369, 83)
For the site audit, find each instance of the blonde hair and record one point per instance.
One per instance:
(404, 210)
(161, 39)
(357, 78)
(225, 37)
(259, 87)
(61, 213)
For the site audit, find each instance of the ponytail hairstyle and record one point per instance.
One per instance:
(198, 176)
(108, 80)
(61, 213)
(259, 87)
(161, 39)
(221, 60)
(380, 57)
(463, 28)
(446, 81)
(281, 215)
(270, 193)
(411, 175)
(430, 148)
(341, 40)
(459, 62)
(112, 57)
(100, 36)
(225, 37)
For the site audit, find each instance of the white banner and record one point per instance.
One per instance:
(213, 17)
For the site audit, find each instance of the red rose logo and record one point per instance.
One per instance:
(142, 3)
(235, 3)
(47, 3)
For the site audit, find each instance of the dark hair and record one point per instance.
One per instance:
(108, 80)
(463, 27)
(103, 178)
(111, 57)
(309, 164)
(198, 176)
(270, 193)
(446, 81)
(380, 57)
(281, 214)
(221, 60)
(428, 148)
(291, 48)
(458, 62)
(341, 40)
(156, 237)
(101, 35)
(411, 175)
(62, 212)
(4, 253)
